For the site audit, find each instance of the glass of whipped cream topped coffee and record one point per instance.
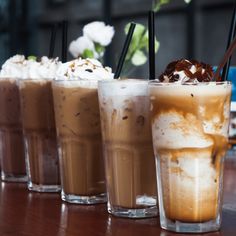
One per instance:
(79, 131)
(39, 124)
(190, 119)
(12, 154)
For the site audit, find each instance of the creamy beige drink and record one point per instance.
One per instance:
(190, 118)
(39, 125)
(79, 131)
(127, 142)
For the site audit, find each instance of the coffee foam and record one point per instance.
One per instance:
(119, 88)
(201, 89)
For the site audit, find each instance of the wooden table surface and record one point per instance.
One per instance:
(28, 213)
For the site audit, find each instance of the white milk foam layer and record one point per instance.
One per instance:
(200, 89)
(171, 132)
(118, 89)
(193, 169)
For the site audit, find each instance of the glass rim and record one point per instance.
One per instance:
(158, 83)
(124, 80)
(74, 81)
(20, 78)
(35, 79)
(9, 78)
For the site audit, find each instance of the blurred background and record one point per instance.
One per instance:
(198, 30)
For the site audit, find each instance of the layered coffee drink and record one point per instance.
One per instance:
(79, 132)
(12, 154)
(190, 118)
(40, 132)
(127, 143)
(39, 125)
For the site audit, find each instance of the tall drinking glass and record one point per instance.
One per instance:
(40, 135)
(11, 135)
(79, 141)
(127, 143)
(190, 134)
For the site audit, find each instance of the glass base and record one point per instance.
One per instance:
(44, 188)
(86, 200)
(180, 227)
(150, 211)
(14, 178)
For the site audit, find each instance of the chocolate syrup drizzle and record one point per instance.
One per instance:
(204, 72)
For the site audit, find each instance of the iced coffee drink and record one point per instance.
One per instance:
(39, 126)
(190, 118)
(127, 143)
(79, 132)
(11, 135)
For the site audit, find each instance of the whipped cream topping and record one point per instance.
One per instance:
(187, 71)
(15, 67)
(20, 67)
(84, 69)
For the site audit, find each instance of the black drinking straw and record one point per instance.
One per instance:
(124, 50)
(151, 45)
(226, 57)
(52, 40)
(64, 40)
(230, 39)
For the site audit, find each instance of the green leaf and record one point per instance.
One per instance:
(144, 43)
(139, 46)
(157, 45)
(159, 3)
(136, 39)
(32, 58)
(139, 58)
(99, 48)
(138, 29)
(87, 54)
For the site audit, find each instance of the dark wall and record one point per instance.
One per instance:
(198, 30)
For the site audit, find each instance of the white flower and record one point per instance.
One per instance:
(187, 1)
(77, 47)
(98, 32)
